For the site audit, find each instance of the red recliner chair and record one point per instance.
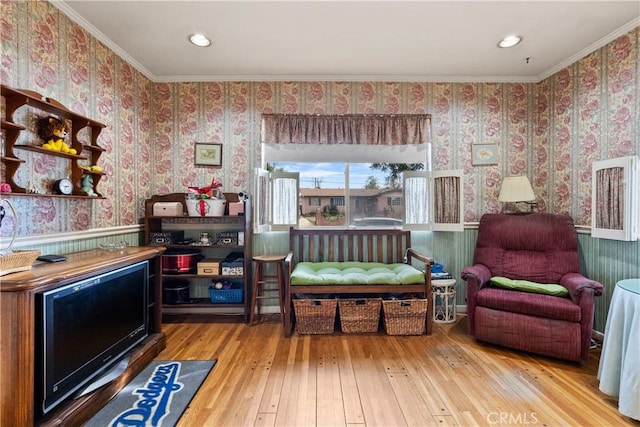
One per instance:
(536, 247)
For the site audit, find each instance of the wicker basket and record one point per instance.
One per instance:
(359, 315)
(405, 317)
(315, 316)
(17, 261)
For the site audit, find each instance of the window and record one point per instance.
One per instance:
(334, 194)
(337, 201)
(320, 197)
(314, 147)
(394, 201)
(283, 188)
(615, 186)
(433, 200)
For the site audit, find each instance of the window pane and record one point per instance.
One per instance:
(417, 208)
(346, 194)
(446, 196)
(285, 197)
(374, 199)
(322, 192)
(615, 205)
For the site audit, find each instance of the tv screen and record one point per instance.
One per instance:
(85, 327)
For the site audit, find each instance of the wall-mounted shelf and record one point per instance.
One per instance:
(90, 151)
(37, 149)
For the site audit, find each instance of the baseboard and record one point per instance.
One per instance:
(270, 309)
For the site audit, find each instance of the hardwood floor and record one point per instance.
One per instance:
(446, 379)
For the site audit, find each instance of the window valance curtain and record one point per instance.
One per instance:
(381, 129)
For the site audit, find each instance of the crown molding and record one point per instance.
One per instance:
(348, 78)
(591, 48)
(100, 36)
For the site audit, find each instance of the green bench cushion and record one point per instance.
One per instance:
(355, 273)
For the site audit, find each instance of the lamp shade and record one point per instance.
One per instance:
(516, 189)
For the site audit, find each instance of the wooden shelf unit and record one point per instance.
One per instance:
(205, 224)
(16, 98)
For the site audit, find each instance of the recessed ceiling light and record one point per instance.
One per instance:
(199, 40)
(509, 41)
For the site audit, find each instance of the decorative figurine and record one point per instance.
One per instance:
(87, 186)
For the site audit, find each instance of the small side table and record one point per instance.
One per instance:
(444, 300)
(619, 370)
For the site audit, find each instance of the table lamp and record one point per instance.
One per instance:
(517, 189)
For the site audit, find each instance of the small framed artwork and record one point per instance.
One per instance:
(484, 154)
(208, 154)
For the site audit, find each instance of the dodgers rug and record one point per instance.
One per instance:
(157, 396)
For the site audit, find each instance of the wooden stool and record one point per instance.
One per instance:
(260, 279)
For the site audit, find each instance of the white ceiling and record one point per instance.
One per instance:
(353, 40)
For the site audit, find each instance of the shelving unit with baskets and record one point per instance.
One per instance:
(87, 151)
(203, 297)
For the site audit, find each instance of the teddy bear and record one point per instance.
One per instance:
(53, 131)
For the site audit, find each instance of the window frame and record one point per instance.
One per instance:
(629, 203)
(426, 215)
(266, 213)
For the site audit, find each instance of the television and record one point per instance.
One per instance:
(84, 328)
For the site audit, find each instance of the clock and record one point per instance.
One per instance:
(63, 186)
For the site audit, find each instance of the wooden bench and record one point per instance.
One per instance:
(362, 245)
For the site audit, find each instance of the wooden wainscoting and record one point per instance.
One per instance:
(446, 379)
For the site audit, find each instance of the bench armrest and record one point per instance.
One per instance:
(412, 253)
(288, 269)
(289, 258)
(288, 263)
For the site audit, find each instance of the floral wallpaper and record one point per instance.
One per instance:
(550, 131)
(44, 51)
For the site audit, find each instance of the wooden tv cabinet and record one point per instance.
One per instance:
(17, 333)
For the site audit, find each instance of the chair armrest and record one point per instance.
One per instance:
(412, 253)
(479, 272)
(576, 283)
(476, 277)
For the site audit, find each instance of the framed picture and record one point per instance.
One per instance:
(484, 154)
(208, 154)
